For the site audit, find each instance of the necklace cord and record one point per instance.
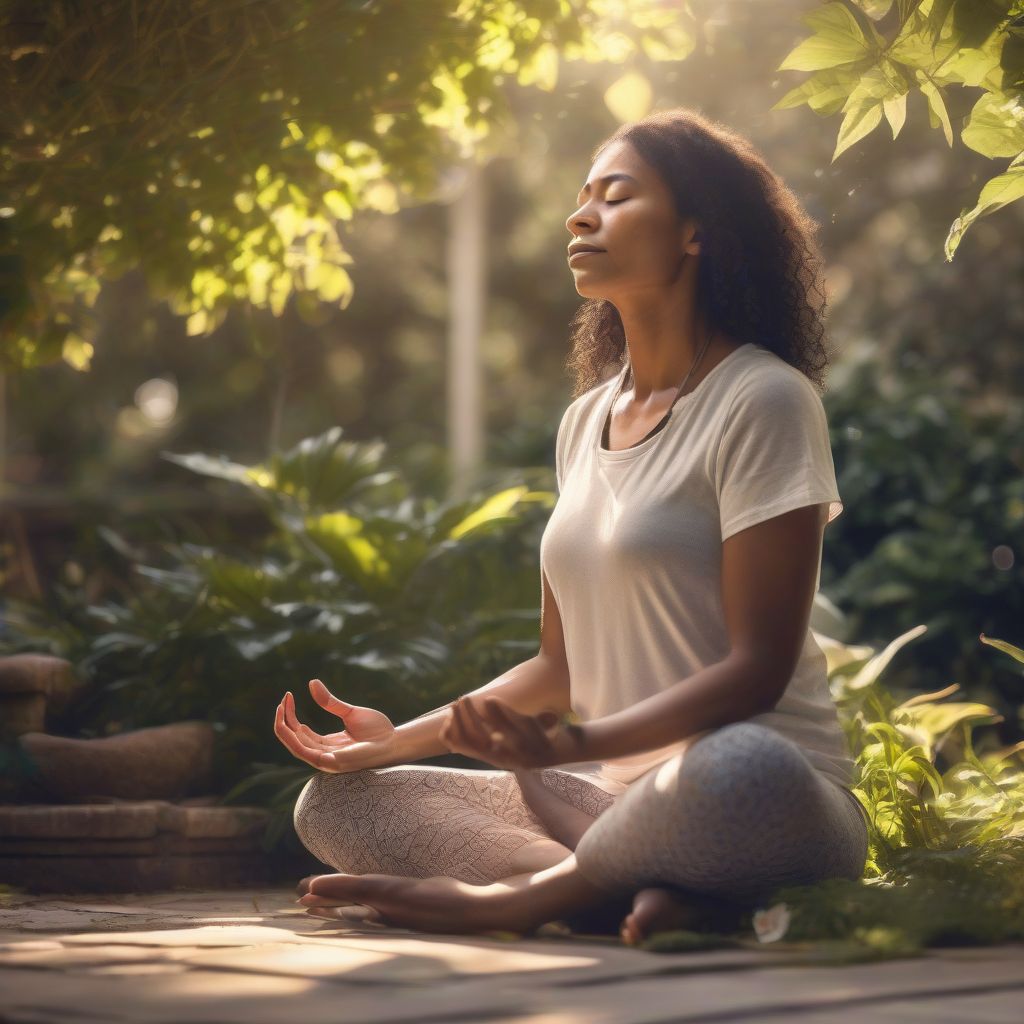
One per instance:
(629, 373)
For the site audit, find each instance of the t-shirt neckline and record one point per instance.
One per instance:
(648, 442)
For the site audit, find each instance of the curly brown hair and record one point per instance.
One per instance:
(760, 275)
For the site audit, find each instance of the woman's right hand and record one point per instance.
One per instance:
(367, 741)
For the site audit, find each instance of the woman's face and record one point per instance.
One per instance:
(634, 221)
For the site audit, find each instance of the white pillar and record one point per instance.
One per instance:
(467, 281)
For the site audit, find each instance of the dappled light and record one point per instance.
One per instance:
(511, 511)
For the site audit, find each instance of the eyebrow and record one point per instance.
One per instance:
(608, 178)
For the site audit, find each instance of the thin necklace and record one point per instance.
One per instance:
(622, 384)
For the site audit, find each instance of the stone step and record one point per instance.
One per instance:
(131, 846)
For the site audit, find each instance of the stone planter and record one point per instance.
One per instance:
(30, 685)
(162, 763)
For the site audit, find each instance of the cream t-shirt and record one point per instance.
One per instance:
(633, 546)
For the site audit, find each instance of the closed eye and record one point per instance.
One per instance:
(612, 202)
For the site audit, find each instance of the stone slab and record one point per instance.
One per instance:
(238, 998)
(122, 959)
(111, 874)
(127, 820)
(783, 993)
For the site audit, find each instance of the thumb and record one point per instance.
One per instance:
(327, 700)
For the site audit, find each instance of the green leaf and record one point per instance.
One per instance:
(838, 40)
(936, 106)
(1002, 645)
(874, 668)
(917, 45)
(1001, 190)
(824, 92)
(895, 109)
(996, 125)
(857, 123)
(495, 509)
(938, 719)
(876, 9)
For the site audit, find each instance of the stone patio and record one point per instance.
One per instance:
(255, 957)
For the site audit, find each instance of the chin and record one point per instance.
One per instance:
(591, 292)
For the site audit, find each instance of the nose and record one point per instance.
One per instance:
(577, 222)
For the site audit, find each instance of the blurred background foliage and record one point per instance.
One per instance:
(322, 541)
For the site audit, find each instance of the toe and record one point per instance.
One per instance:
(338, 885)
(303, 887)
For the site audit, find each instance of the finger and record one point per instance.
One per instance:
(313, 756)
(285, 735)
(458, 737)
(525, 735)
(474, 728)
(496, 730)
(309, 735)
(511, 723)
(468, 739)
(327, 700)
(481, 727)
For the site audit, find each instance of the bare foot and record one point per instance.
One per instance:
(303, 887)
(657, 910)
(436, 904)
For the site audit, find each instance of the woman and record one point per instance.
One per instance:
(678, 571)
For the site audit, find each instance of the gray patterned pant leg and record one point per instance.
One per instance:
(423, 820)
(738, 814)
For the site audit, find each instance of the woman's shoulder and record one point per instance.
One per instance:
(765, 379)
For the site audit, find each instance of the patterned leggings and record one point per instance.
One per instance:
(736, 815)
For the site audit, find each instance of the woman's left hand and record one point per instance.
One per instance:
(489, 730)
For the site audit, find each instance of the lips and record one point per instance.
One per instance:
(580, 253)
(578, 247)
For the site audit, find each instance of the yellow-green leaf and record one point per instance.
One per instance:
(857, 123)
(998, 192)
(996, 125)
(895, 112)
(838, 40)
(497, 506)
(936, 106)
(1002, 645)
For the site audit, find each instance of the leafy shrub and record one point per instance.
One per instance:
(931, 532)
(394, 602)
(945, 862)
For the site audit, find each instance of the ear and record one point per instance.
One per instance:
(692, 238)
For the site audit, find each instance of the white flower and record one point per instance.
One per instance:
(771, 924)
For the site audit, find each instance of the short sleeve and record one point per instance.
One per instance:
(774, 454)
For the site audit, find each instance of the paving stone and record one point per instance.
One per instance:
(990, 1008)
(239, 998)
(109, 965)
(778, 994)
(131, 969)
(392, 961)
(203, 935)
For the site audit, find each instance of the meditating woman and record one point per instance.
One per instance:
(678, 570)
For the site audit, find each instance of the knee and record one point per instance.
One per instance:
(745, 761)
(316, 808)
(307, 807)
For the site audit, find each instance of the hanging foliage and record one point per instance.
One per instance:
(217, 144)
(868, 56)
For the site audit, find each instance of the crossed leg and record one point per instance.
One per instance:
(687, 824)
